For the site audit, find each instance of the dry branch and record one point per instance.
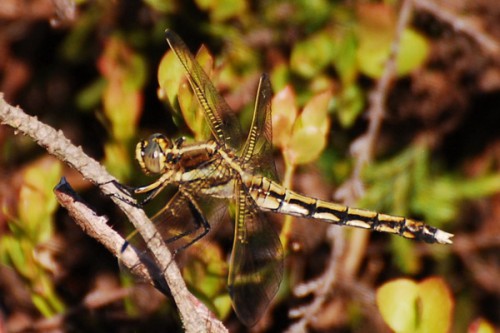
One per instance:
(195, 317)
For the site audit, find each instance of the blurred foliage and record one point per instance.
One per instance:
(206, 275)
(31, 227)
(323, 58)
(406, 184)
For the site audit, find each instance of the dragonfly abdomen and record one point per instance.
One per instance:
(271, 196)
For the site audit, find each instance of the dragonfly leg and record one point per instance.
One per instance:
(200, 221)
(127, 190)
(150, 195)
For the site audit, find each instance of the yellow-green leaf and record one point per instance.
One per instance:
(436, 306)
(221, 10)
(191, 110)
(284, 114)
(312, 55)
(309, 131)
(37, 202)
(407, 306)
(117, 160)
(170, 74)
(376, 32)
(397, 301)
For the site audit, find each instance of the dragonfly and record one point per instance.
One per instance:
(228, 167)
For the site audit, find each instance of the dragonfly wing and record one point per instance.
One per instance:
(219, 116)
(256, 266)
(257, 152)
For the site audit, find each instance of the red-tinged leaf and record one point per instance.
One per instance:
(309, 131)
(480, 326)
(125, 73)
(284, 114)
(397, 303)
(436, 306)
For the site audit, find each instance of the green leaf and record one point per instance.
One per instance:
(42, 305)
(205, 275)
(162, 6)
(373, 54)
(221, 10)
(349, 104)
(91, 96)
(118, 160)
(344, 59)
(376, 31)
(14, 255)
(414, 51)
(37, 202)
(312, 55)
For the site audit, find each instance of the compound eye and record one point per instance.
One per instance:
(150, 153)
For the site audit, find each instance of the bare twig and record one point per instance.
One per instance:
(97, 228)
(488, 43)
(363, 148)
(469, 249)
(193, 317)
(363, 151)
(321, 287)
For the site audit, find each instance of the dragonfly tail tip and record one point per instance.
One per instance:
(443, 237)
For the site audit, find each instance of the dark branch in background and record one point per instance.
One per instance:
(195, 317)
(363, 149)
(320, 288)
(488, 43)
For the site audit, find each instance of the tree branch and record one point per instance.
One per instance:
(194, 316)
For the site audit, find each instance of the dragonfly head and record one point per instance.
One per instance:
(155, 154)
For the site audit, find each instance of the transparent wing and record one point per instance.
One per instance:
(257, 153)
(256, 266)
(220, 118)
